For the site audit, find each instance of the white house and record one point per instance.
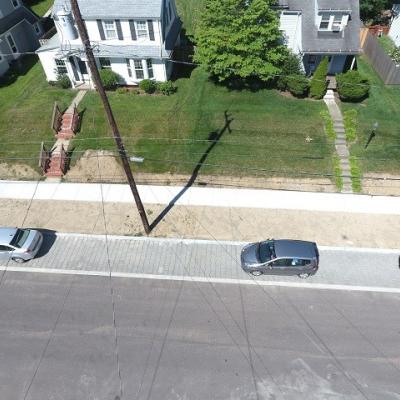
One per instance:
(134, 38)
(394, 31)
(20, 30)
(317, 28)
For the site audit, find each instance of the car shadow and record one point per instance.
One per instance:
(49, 237)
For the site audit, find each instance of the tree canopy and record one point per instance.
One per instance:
(370, 10)
(240, 39)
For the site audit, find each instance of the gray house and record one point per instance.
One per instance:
(20, 30)
(317, 28)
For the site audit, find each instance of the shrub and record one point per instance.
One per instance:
(352, 86)
(167, 88)
(298, 85)
(122, 90)
(148, 86)
(318, 82)
(63, 81)
(291, 65)
(281, 83)
(109, 78)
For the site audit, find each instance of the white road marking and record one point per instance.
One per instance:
(200, 279)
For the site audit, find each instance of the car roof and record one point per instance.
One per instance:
(6, 234)
(294, 249)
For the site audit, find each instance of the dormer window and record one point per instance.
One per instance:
(325, 20)
(333, 22)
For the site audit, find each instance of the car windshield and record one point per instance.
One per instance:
(19, 238)
(266, 251)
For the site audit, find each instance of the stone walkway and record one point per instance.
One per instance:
(340, 141)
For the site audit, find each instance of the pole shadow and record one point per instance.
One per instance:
(214, 138)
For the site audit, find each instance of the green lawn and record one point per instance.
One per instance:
(267, 135)
(26, 106)
(39, 7)
(382, 106)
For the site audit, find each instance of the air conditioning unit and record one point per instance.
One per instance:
(336, 28)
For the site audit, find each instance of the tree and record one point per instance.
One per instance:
(240, 39)
(370, 10)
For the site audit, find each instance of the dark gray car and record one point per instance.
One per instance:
(281, 257)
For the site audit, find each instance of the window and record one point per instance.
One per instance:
(15, 3)
(5, 248)
(129, 68)
(299, 262)
(105, 63)
(61, 67)
(12, 44)
(337, 22)
(325, 20)
(20, 238)
(141, 29)
(138, 69)
(150, 68)
(312, 59)
(110, 30)
(36, 27)
(282, 262)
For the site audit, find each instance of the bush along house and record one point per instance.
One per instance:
(133, 38)
(20, 30)
(314, 29)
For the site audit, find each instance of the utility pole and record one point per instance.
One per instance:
(110, 116)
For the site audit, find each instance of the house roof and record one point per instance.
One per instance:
(95, 9)
(105, 50)
(15, 17)
(315, 41)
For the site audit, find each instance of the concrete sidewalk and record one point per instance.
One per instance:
(210, 197)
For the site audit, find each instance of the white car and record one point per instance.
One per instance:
(19, 245)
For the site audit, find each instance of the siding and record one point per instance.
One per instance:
(394, 31)
(290, 24)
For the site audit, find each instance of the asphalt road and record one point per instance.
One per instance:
(204, 259)
(189, 340)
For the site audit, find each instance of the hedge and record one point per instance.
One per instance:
(318, 82)
(352, 86)
(109, 78)
(298, 85)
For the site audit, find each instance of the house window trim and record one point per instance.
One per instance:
(139, 30)
(142, 69)
(61, 65)
(106, 30)
(129, 68)
(151, 68)
(9, 35)
(36, 27)
(16, 1)
(105, 63)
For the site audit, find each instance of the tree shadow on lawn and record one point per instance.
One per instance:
(214, 137)
(18, 68)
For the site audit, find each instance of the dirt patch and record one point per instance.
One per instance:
(102, 166)
(381, 184)
(241, 224)
(18, 172)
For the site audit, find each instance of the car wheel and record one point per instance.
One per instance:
(256, 273)
(303, 275)
(18, 260)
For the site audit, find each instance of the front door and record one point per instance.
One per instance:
(83, 70)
